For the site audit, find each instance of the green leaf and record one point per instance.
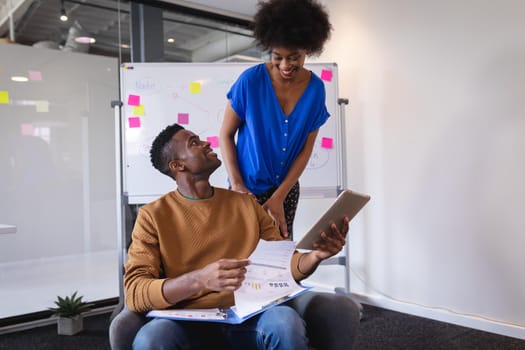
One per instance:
(70, 306)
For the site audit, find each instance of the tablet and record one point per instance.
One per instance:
(348, 203)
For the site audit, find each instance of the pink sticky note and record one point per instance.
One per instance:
(35, 75)
(183, 118)
(27, 129)
(327, 142)
(213, 140)
(326, 75)
(134, 122)
(134, 100)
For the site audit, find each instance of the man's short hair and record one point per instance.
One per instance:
(161, 153)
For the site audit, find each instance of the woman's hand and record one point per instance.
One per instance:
(241, 188)
(275, 208)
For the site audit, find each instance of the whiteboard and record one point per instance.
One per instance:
(155, 95)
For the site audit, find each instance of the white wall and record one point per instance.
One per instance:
(435, 130)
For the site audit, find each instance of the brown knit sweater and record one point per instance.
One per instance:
(175, 235)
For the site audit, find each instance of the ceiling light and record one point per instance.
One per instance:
(19, 79)
(171, 40)
(63, 14)
(85, 40)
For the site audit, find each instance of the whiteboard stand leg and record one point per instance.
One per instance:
(346, 291)
(118, 184)
(342, 130)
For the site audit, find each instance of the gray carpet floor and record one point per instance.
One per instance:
(380, 330)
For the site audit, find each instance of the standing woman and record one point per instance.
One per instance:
(277, 108)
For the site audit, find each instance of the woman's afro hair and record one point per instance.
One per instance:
(298, 24)
(160, 152)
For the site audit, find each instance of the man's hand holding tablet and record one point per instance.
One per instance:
(348, 204)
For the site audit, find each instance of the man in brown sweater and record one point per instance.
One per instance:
(189, 250)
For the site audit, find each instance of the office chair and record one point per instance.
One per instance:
(126, 324)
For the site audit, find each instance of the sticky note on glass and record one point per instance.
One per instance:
(195, 87)
(4, 97)
(327, 142)
(134, 122)
(133, 100)
(42, 106)
(213, 140)
(27, 129)
(183, 118)
(35, 75)
(138, 110)
(326, 75)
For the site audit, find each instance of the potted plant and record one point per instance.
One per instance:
(69, 311)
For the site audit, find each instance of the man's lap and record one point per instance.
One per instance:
(280, 325)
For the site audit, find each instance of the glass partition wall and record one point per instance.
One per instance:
(58, 197)
(57, 182)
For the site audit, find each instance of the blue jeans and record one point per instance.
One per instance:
(331, 321)
(277, 328)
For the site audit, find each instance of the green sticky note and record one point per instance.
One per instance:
(195, 87)
(4, 97)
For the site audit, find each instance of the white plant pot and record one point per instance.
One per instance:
(70, 326)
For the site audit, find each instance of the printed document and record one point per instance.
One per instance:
(268, 282)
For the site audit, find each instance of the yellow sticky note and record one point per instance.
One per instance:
(138, 110)
(42, 106)
(4, 97)
(195, 87)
